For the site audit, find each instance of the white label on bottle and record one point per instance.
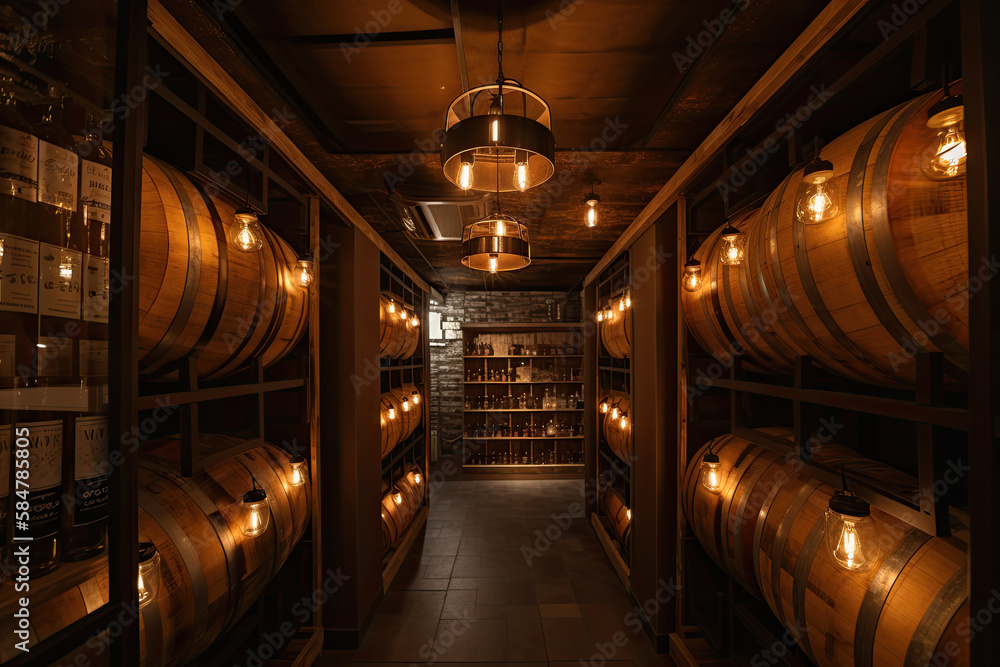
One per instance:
(56, 357)
(18, 164)
(95, 191)
(44, 452)
(95, 288)
(7, 347)
(91, 469)
(18, 274)
(94, 358)
(57, 176)
(60, 277)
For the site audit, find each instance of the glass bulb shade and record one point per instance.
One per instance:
(299, 471)
(149, 573)
(614, 413)
(600, 315)
(711, 473)
(465, 176)
(255, 513)
(591, 217)
(416, 478)
(604, 407)
(817, 202)
(628, 299)
(498, 242)
(304, 272)
(414, 322)
(621, 304)
(245, 232)
(496, 144)
(945, 156)
(852, 540)
(416, 397)
(397, 498)
(692, 276)
(733, 247)
(624, 422)
(392, 413)
(628, 514)
(406, 404)
(392, 306)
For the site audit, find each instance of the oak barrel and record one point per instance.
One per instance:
(210, 573)
(398, 338)
(767, 530)
(862, 292)
(618, 514)
(397, 429)
(199, 296)
(400, 505)
(616, 332)
(618, 438)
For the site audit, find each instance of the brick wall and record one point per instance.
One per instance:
(446, 360)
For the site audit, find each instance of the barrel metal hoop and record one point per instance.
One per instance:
(192, 281)
(761, 327)
(935, 620)
(222, 289)
(278, 314)
(886, 248)
(781, 538)
(758, 531)
(854, 221)
(710, 322)
(189, 554)
(803, 565)
(733, 344)
(878, 592)
(740, 520)
(725, 501)
(727, 293)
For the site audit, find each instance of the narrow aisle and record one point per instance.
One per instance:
(482, 587)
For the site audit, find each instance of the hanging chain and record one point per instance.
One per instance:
(500, 39)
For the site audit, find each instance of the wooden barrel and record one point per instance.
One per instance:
(396, 430)
(618, 438)
(767, 530)
(398, 510)
(618, 514)
(398, 338)
(200, 297)
(616, 332)
(210, 573)
(862, 292)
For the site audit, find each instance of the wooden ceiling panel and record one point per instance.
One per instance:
(343, 17)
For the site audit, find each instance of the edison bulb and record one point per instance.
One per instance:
(733, 247)
(604, 407)
(493, 263)
(692, 276)
(591, 216)
(495, 130)
(851, 533)
(392, 413)
(406, 404)
(298, 476)
(628, 299)
(628, 514)
(945, 157)
(465, 176)
(304, 272)
(624, 422)
(614, 413)
(414, 322)
(521, 176)
(149, 573)
(711, 473)
(245, 232)
(255, 512)
(416, 478)
(816, 203)
(500, 229)
(392, 307)
(621, 304)
(416, 398)
(397, 498)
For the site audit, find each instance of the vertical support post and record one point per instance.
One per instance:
(312, 398)
(801, 413)
(257, 368)
(590, 397)
(682, 413)
(930, 458)
(126, 210)
(737, 396)
(190, 452)
(981, 67)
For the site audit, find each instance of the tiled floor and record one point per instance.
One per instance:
(467, 594)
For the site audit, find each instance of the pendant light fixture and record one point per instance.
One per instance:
(416, 397)
(591, 202)
(500, 133)
(945, 156)
(149, 573)
(711, 472)
(692, 275)
(304, 271)
(817, 201)
(255, 511)
(299, 470)
(245, 233)
(733, 246)
(851, 534)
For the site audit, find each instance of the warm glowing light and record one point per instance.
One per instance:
(592, 215)
(255, 512)
(416, 477)
(851, 533)
(733, 246)
(414, 322)
(465, 176)
(392, 306)
(397, 498)
(406, 404)
(149, 573)
(621, 304)
(945, 157)
(711, 473)
(692, 275)
(604, 407)
(600, 315)
(624, 422)
(392, 413)
(614, 413)
(521, 176)
(628, 514)
(500, 229)
(628, 299)
(416, 397)
(493, 263)
(495, 130)
(245, 232)
(298, 475)
(304, 271)
(816, 203)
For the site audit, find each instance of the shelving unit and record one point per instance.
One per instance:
(522, 446)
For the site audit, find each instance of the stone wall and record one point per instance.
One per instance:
(446, 359)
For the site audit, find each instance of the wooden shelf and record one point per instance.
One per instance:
(522, 465)
(523, 356)
(528, 410)
(540, 437)
(523, 382)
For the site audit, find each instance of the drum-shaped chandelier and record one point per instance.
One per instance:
(498, 242)
(498, 135)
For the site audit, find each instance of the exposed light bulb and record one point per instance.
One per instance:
(521, 176)
(614, 413)
(148, 582)
(604, 407)
(298, 474)
(256, 512)
(493, 263)
(414, 322)
(245, 232)
(416, 477)
(692, 275)
(945, 157)
(628, 514)
(397, 498)
(851, 532)
(500, 228)
(392, 306)
(711, 473)
(416, 398)
(592, 215)
(406, 404)
(624, 422)
(465, 176)
(495, 130)
(628, 299)
(392, 413)
(304, 271)
(600, 315)
(621, 304)
(733, 246)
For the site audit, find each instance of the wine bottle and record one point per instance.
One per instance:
(85, 484)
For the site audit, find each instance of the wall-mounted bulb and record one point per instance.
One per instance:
(614, 412)
(604, 407)
(816, 202)
(624, 422)
(600, 315)
(851, 533)
(494, 258)
(304, 271)
(397, 498)
(465, 172)
(692, 275)
(521, 170)
(628, 299)
(392, 307)
(149, 573)
(416, 397)
(628, 514)
(299, 470)
(946, 154)
(255, 512)
(711, 473)
(406, 404)
(733, 246)
(245, 232)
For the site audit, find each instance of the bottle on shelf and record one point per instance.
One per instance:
(85, 481)
(546, 400)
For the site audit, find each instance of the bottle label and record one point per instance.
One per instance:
(95, 191)
(56, 357)
(57, 176)
(60, 278)
(45, 466)
(90, 487)
(18, 274)
(18, 164)
(7, 348)
(5, 432)
(94, 358)
(95, 288)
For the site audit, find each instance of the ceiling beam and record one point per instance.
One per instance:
(813, 39)
(219, 80)
(436, 35)
(456, 20)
